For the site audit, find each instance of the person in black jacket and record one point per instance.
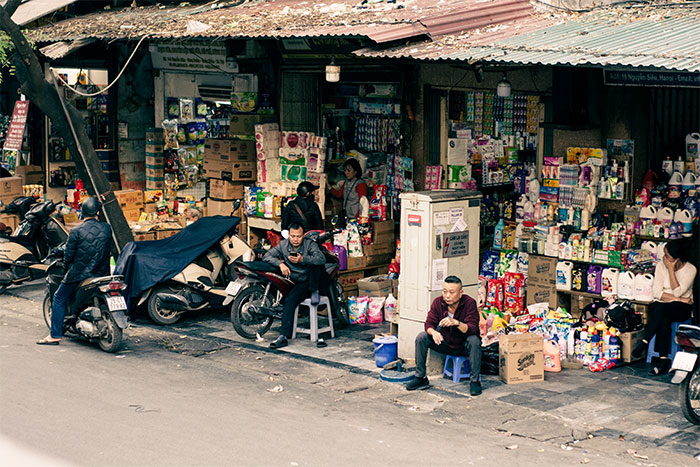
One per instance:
(86, 255)
(302, 210)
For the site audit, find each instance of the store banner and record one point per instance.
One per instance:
(651, 78)
(15, 133)
(191, 57)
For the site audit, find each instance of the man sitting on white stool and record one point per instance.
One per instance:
(452, 328)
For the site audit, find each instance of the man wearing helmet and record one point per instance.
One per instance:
(86, 255)
(303, 210)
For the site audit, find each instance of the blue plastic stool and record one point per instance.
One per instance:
(674, 347)
(456, 367)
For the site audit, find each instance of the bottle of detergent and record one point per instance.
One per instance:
(667, 165)
(614, 347)
(563, 275)
(688, 182)
(625, 285)
(498, 234)
(595, 346)
(609, 279)
(675, 185)
(552, 358)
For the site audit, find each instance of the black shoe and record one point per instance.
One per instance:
(663, 367)
(475, 388)
(639, 349)
(280, 342)
(418, 383)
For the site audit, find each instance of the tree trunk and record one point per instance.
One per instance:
(63, 115)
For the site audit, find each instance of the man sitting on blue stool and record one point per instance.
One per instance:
(452, 327)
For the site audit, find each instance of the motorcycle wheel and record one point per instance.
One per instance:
(158, 314)
(3, 287)
(113, 338)
(689, 392)
(245, 322)
(340, 304)
(47, 311)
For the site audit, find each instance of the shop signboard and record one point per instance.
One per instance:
(15, 133)
(190, 57)
(651, 78)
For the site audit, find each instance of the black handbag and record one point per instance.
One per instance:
(622, 316)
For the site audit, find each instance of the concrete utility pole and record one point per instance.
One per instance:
(67, 121)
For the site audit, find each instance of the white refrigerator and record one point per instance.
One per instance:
(439, 238)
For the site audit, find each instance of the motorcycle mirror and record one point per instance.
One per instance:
(236, 205)
(334, 220)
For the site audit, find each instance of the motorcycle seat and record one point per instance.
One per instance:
(260, 266)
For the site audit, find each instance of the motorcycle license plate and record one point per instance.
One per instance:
(233, 288)
(116, 303)
(684, 361)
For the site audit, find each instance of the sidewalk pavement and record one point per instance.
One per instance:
(622, 403)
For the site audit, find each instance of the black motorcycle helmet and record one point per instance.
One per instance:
(90, 207)
(305, 188)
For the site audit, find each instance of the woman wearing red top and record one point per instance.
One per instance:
(353, 191)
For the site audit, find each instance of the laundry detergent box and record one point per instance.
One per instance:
(521, 358)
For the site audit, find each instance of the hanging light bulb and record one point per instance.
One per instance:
(503, 89)
(332, 72)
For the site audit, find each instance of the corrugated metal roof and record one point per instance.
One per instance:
(63, 48)
(381, 22)
(34, 9)
(667, 37)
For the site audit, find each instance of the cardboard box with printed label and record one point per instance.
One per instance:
(521, 358)
(142, 237)
(11, 221)
(375, 286)
(542, 293)
(244, 125)
(627, 342)
(129, 199)
(132, 215)
(225, 190)
(234, 171)
(222, 208)
(356, 262)
(229, 150)
(161, 234)
(30, 174)
(349, 279)
(378, 249)
(542, 270)
(10, 187)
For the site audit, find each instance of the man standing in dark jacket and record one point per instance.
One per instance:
(452, 327)
(86, 255)
(299, 258)
(303, 210)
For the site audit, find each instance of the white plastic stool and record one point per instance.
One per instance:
(313, 330)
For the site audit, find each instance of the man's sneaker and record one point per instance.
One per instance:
(280, 342)
(475, 388)
(418, 383)
(315, 297)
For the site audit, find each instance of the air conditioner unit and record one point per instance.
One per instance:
(214, 93)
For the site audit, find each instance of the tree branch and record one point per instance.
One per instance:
(22, 47)
(11, 6)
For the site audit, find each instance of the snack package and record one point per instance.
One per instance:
(200, 107)
(481, 294)
(192, 133)
(201, 126)
(494, 293)
(173, 107)
(357, 309)
(514, 293)
(170, 134)
(600, 365)
(181, 133)
(365, 229)
(341, 239)
(374, 311)
(377, 205)
(354, 240)
(186, 110)
(490, 264)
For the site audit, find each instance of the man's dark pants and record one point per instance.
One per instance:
(471, 349)
(58, 307)
(297, 295)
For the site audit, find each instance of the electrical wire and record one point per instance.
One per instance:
(110, 84)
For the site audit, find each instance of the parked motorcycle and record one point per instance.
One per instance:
(201, 283)
(97, 309)
(22, 253)
(258, 293)
(19, 207)
(687, 371)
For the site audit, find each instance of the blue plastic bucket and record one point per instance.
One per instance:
(385, 349)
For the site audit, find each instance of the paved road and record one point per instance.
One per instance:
(156, 404)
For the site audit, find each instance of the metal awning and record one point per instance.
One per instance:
(61, 49)
(32, 10)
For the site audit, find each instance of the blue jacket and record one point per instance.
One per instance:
(87, 251)
(309, 250)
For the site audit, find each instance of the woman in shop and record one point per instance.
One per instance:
(673, 301)
(353, 191)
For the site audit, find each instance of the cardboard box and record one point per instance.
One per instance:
(578, 303)
(10, 187)
(381, 246)
(10, 220)
(245, 124)
(132, 215)
(627, 342)
(154, 173)
(161, 234)
(542, 293)
(375, 286)
(30, 174)
(234, 171)
(219, 208)
(378, 259)
(155, 183)
(382, 227)
(357, 262)
(150, 208)
(225, 190)
(230, 150)
(142, 237)
(542, 270)
(521, 358)
(130, 199)
(349, 279)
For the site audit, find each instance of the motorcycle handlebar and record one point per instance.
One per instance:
(327, 236)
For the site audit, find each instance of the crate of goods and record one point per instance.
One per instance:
(375, 286)
(521, 358)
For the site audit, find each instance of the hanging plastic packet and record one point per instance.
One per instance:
(173, 107)
(201, 126)
(170, 134)
(192, 133)
(181, 133)
(354, 240)
(200, 107)
(186, 110)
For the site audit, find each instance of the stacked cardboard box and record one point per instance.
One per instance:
(131, 202)
(154, 160)
(541, 280)
(521, 358)
(232, 160)
(10, 188)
